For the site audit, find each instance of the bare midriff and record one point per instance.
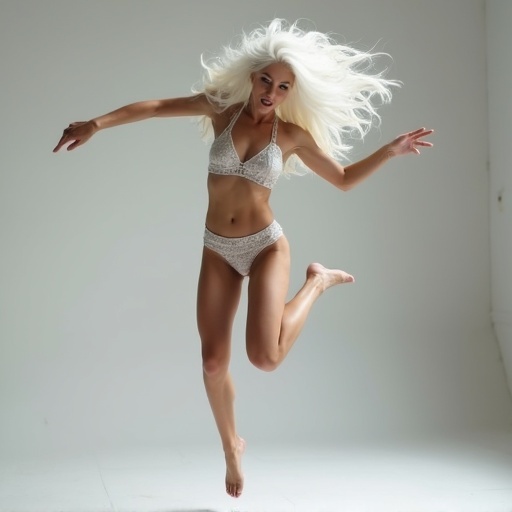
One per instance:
(237, 206)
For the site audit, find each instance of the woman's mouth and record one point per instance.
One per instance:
(266, 102)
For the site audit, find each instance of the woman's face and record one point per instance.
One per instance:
(271, 86)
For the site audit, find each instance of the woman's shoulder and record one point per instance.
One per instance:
(294, 132)
(228, 112)
(222, 117)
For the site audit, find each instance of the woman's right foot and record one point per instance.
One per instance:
(234, 475)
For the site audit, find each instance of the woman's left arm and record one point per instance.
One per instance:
(347, 177)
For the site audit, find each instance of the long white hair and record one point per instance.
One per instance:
(333, 91)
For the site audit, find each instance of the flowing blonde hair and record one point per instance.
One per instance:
(332, 94)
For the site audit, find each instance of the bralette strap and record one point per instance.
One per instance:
(274, 130)
(235, 117)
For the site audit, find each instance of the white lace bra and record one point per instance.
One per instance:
(263, 168)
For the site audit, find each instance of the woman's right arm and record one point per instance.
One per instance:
(80, 132)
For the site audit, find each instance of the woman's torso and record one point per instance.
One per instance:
(239, 196)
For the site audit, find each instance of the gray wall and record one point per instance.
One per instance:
(499, 42)
(101, 246)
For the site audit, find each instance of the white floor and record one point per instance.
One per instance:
(469, 473)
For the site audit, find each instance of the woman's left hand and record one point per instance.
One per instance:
(409, 142)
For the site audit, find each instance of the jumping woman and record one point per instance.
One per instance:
(279, 99)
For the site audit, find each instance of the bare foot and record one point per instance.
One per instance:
(328, 277)
(234, 475)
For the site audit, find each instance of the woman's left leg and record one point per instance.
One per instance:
(272, 325)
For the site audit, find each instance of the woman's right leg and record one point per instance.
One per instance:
(218, 297)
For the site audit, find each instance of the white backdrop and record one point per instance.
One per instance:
(101, 246)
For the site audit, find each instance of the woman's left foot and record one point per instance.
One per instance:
(328, 276)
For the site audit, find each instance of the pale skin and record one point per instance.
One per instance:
(239, 207)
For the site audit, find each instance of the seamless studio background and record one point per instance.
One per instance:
(101, 246)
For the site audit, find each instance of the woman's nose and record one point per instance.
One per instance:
(271, 90)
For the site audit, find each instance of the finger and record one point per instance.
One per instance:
(74, 145)
(62, 141)
(424, 143)
(420, 135)
(421, 132)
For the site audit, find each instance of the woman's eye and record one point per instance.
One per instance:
(284, 87)
(265, 79)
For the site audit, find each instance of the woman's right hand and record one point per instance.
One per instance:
(78, 133)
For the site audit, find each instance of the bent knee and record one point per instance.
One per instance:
(263, 360)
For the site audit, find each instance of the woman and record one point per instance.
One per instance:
(281, 97)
